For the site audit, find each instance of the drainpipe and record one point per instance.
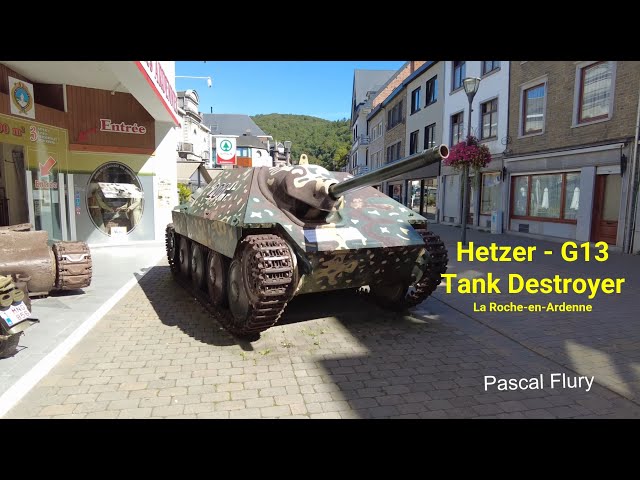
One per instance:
(633, 188)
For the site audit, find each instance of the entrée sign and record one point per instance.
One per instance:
(106, 125)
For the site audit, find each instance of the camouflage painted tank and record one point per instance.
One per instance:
(256, 237)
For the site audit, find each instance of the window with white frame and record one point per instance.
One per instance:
(594, 92)
(490, 192)
(533, 109)
(457, 128)
(489, 112)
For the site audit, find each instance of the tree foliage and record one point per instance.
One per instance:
(325, 142)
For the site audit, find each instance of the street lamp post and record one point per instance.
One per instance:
(287, 152)
(471, 88)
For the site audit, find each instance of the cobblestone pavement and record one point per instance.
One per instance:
(159, 355)
(604, 342)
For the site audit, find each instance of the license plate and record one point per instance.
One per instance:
(15, 314)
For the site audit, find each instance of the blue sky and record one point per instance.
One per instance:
(320, 89)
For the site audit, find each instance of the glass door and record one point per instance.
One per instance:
(46, 195)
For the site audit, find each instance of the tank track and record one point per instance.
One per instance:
(73, 265)
(436, 266)
(272, 271)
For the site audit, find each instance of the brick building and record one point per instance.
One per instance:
(571, 135)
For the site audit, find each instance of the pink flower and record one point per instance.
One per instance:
(468, 152)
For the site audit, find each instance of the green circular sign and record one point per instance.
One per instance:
(225, 146)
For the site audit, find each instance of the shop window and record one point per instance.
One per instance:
(550, 197)
(414, 198)
(490, 193)
(115, 199)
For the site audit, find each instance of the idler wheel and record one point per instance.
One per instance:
(389, 296)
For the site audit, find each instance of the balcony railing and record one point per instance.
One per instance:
(360, 170)
(360, 140)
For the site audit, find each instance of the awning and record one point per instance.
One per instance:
(186, 170)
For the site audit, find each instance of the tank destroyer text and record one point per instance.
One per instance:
(519, 283)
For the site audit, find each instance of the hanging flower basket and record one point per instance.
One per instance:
(469, 153)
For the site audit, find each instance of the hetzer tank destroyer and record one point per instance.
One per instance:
(254, 238)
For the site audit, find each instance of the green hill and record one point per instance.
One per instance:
(325, 142)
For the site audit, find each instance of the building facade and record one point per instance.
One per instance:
(194, 140)
(376, 129)
(394, 138)
(88, 148)
(423, 111)
(366, 84)
(489, 124)
(572, 132)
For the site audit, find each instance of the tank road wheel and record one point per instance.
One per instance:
(171, 242)
(216, 278)
(398, 297)
(239, 302)
(197, 265)
(262, 279)
(389, 296)
(184, 257)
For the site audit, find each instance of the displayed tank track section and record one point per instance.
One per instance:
(73, 265)
(272, 272)
(420, 291)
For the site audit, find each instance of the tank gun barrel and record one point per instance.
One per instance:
(413, 162)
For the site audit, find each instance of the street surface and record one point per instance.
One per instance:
(158, 354)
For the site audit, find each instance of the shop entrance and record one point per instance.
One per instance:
(14, 208)
(606, 209)
(33, 157)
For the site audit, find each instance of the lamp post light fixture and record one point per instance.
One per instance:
(287, 151)
(471, 85)
(209, 81)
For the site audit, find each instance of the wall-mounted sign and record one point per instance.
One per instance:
(107, 125)
(21, 98)
(226, 150)
(158, 78)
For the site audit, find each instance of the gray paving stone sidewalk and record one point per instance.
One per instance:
(158, 354)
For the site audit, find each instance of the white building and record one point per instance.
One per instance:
(489, 118)
(194, 144)
(366, 84)
(91, 157)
